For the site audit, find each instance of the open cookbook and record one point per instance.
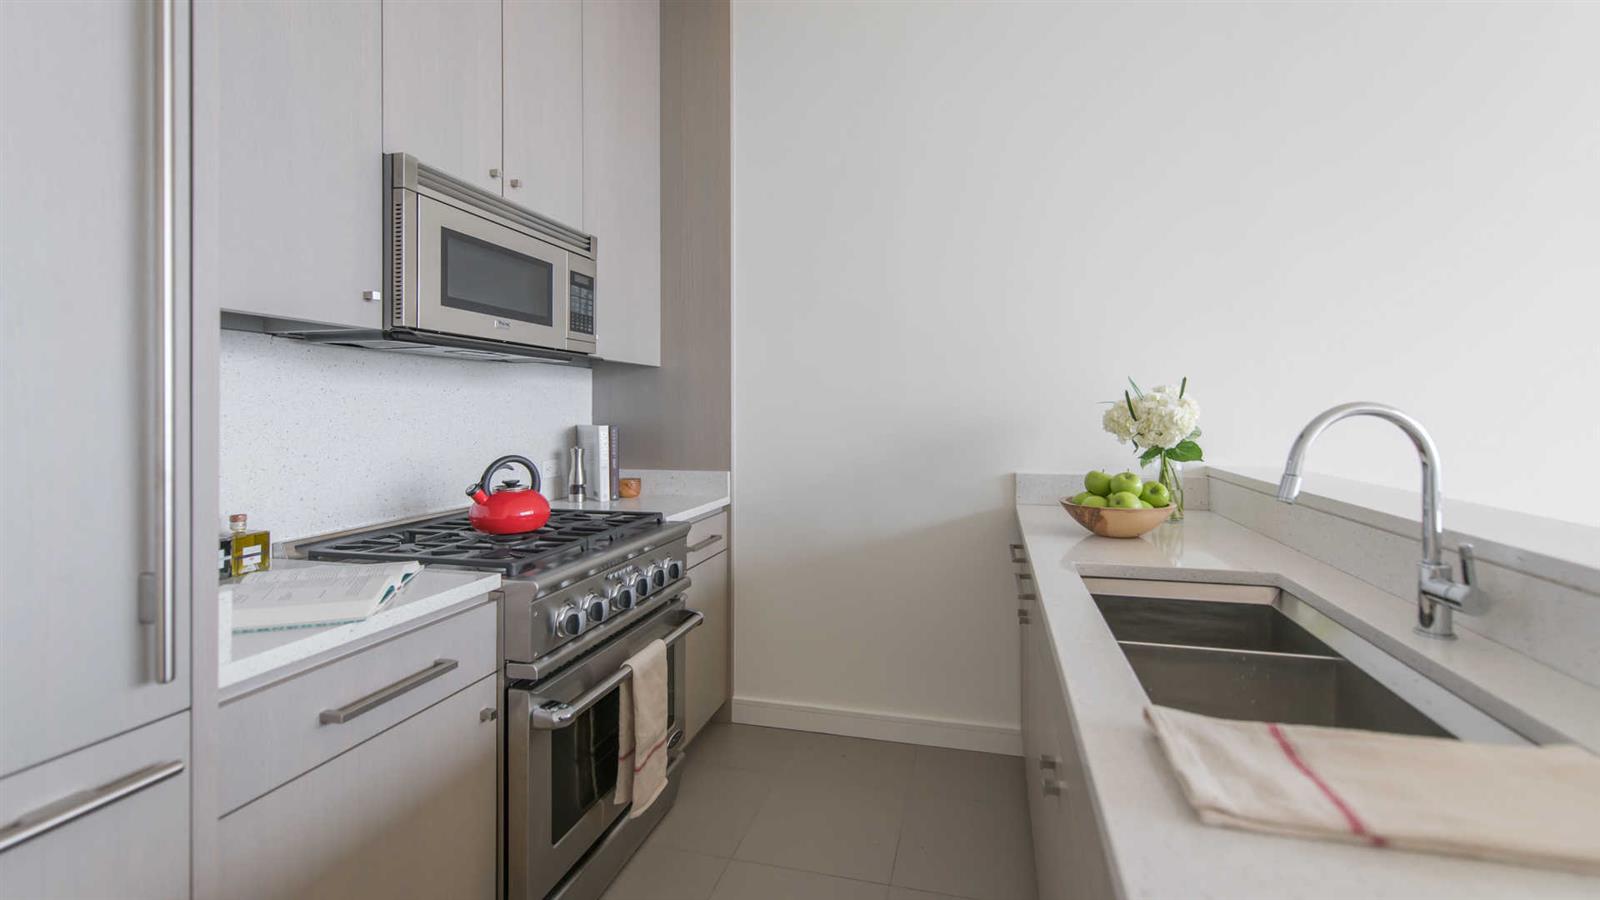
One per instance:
(316, 595)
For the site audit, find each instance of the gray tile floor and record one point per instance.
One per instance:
(768, 814)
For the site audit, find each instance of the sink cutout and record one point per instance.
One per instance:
(1252, 661)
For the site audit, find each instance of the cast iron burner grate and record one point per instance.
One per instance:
(569, 535)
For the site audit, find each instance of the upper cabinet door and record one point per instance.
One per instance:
(441, 86)
(80, 382)
(288, 142)
(544, 107)
(622, 173)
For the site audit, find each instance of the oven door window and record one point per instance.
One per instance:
(583, 757)
(482, 277)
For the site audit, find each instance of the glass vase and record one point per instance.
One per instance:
(1172, 477)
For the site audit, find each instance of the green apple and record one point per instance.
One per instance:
(1155, 493)
(1098, 483)
(1094, 500)
(1124, 500)
(1078, 498)
(1145, 504)
(1126, 481)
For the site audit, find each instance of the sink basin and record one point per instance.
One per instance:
(1251, 661)
(1273, 687)
(1193, 623)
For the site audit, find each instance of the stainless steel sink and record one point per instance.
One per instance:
(1273, 687)
(1252, 661)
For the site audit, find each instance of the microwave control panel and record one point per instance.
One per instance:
(580, 304)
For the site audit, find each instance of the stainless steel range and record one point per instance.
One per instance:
(580, 596)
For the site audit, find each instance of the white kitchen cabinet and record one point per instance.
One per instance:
(79, 395)
(441, 86)
(288, 136)
(544, 107)
(622, 173)
(271, 735)
(136, 846)
(709, 648)
(1069, 855)
(410, 813)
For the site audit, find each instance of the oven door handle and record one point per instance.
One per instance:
(552, 715)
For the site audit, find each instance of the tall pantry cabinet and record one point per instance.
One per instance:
(95, 662)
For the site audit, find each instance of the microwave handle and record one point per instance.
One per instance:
(549, 715)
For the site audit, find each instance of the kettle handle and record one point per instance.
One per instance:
(484, 484)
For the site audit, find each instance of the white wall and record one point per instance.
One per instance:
(317, 439)
(958, 226)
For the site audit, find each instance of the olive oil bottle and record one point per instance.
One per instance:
(243, 550)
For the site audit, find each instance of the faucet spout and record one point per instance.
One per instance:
(1437, 593)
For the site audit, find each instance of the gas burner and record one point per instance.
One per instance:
(451, 539)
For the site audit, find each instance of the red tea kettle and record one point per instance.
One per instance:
(509, 508)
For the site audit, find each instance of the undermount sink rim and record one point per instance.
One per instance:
(1433, 700)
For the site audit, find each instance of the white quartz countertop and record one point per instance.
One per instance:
(678, 507)
(1157, 845)
(260, 657)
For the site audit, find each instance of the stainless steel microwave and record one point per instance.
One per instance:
(470, 271)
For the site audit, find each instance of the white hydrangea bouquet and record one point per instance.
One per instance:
(1162, 424)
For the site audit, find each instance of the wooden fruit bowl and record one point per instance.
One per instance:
(1117, 523)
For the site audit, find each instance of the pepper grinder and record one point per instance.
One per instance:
(575, 479)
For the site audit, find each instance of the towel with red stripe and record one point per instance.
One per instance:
(1533, 806)
(642, 729)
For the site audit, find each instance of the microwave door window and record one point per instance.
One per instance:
(481, 277)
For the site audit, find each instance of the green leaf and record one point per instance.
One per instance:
(1129, 400)
(1149, 455)
(1186, 451)
(1137, 393)
(1183, 387)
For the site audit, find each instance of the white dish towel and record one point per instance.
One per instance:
(642, 729)
(1534, 806)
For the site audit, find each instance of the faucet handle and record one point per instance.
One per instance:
(1472, 601)
(1469, 563)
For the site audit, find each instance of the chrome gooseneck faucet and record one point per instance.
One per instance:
(1438, 594)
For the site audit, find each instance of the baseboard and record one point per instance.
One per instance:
(879, 726)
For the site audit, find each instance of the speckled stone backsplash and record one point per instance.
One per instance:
(317, 438)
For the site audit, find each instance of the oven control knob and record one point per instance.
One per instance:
(641, 585)
(569, 622)
(594, 609)
(674, 569)
(620, 597)
(657, 573)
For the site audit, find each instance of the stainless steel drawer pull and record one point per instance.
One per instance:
(75, 806)
(549, 715)
(696, 548)
(1050, 786)
(1019, 554)
(384, 694)
(1022, 592)
(1047, 763)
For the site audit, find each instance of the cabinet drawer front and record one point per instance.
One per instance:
(134, 846)
(710, 535)
(284, 729)
(408, 814)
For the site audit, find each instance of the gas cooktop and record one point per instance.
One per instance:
(569, 535)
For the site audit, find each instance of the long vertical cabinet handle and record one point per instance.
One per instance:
(158, 600)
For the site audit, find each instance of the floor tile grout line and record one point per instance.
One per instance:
(900, 827)
(886, 884)
(726, 865)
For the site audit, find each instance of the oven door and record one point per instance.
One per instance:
(479, 278)
(561, 753)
